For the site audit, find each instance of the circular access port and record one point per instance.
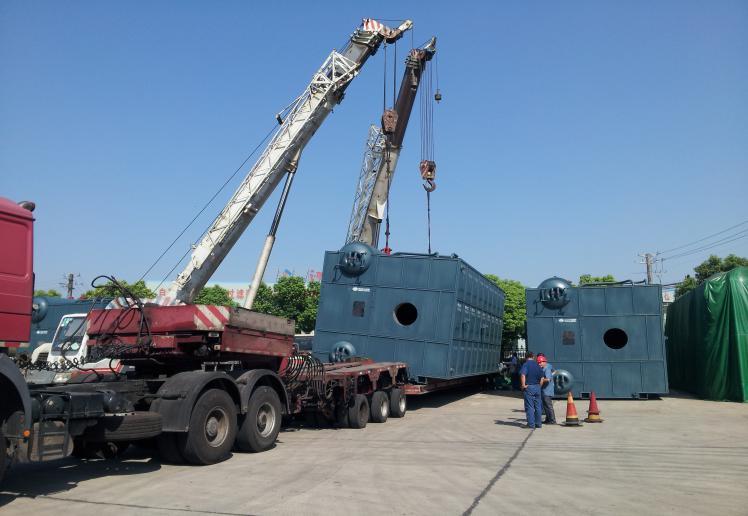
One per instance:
(406, 313)
(615, 338)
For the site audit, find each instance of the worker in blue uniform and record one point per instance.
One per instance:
(548, 390)
(532, 379)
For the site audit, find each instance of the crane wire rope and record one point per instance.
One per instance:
(200, 212)
(387, 150)
(436, 65)
(384, 81)
(427, 138)
(394, 76)
(387, 248)
(428, 219)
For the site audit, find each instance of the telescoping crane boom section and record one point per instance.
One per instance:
(382, 152)
(303, 118)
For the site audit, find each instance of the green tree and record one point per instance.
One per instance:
(732, 261)
(709, 267)
(215, 295)
(715, 264)
(289, 296)
(586, 279)
(292, 299)
(688, 284)
(514, 308)
(138, 289)
(264, 300)
(47, 293)
(308, 317)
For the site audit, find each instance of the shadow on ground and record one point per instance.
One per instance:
(441, 398)
(680, 395)
(504, 393)
(520, 423)
(415, 403)
(40, 479)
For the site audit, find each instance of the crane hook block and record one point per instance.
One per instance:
(428, 170)
(437, 95)
(389, 121)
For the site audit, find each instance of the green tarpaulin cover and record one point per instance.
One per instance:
(707, 338)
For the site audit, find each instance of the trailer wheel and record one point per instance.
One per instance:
(358, 412)
(212, 429)
(260, 425)
(168, 448)
(398, 405)
(380, 407)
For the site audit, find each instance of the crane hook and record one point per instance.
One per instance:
(428, 169)
(429, 185)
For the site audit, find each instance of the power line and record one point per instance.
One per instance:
(705, 238)
(723, 241)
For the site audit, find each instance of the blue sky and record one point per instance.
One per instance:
(572, 135)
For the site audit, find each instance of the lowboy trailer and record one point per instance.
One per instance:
(202, 380)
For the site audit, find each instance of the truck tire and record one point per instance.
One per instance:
(259, 427)
(398, 405)
(168, 448)
(380, 407)
(128, 427)
(212, 429)
(358, 412)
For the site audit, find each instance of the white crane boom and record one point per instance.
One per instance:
(303, 118)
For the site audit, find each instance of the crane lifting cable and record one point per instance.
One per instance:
(427, 165)
(389, 124)
(383, 146)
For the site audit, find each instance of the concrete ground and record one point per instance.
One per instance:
(458, 453)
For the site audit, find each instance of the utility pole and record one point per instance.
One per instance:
(69, 284)
(649, 260)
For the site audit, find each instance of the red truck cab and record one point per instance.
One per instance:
(16, 273)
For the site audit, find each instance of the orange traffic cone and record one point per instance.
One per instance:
(571, 412)
(593, 414)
